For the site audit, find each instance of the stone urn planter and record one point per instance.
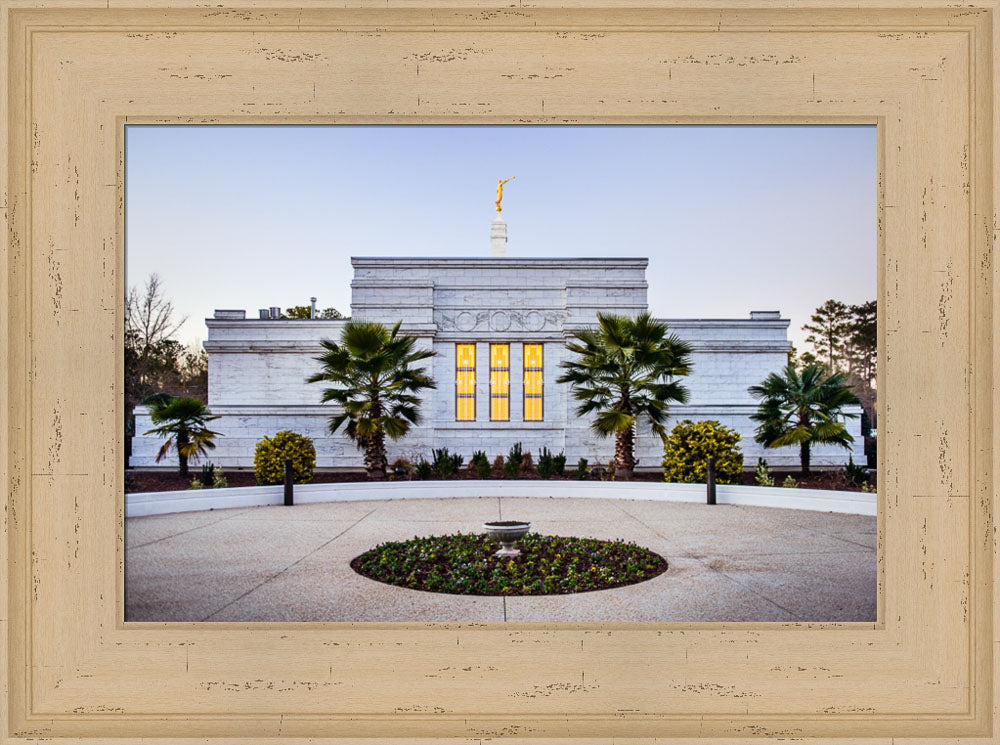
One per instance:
(507, 532)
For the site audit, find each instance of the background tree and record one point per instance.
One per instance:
(862, 355)
(375, 384)
(802, 408)
(862, 341)
(192, 374)
(800, 360)
(305, 311)
(155, 362)
(829, 328)
(624, 370)
(183, 422)
(151, 352)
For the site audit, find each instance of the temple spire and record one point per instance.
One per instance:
(498, 236)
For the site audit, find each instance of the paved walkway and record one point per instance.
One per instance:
(727, 563)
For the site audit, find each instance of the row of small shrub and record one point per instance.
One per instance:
(518, 464)
(686, 451)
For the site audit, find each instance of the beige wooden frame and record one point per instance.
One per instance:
(77, 70)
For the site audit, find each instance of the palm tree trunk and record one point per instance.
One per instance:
(804, 457)
(375, 457)
(182, 459)
(624, 454)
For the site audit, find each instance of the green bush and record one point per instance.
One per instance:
(856, 475)
(763, 476)
(445, 464)
(480, 464)
(219, 480)
(691, 443)
(582, 469)
(401, 469)
(789, 482)
(512, 468)
(546, 466)
(207, 475)
(559, 463)
(424, 470)
(272, 452)
(527, 466)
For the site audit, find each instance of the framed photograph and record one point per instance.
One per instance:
(136, 612)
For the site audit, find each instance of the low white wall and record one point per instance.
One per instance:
(159, 503)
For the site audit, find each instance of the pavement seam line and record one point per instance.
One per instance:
(835, 537)
(290, 566)
(710, 568)
(182, 532)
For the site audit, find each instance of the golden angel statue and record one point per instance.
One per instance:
(500, 191)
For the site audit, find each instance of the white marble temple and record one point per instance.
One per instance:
(258, 368)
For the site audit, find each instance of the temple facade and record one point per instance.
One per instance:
(498, 327)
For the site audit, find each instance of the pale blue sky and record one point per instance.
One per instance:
(732, 218)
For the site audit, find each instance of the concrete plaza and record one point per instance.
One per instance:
(726, 563)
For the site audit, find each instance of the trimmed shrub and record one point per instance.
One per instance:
(512, 468)
(498, 469)
(424, 470)
(219, 480)
(272, 452)
(763, 476)
(527, 466)
(582, 469)
(559, 463)
(480, 465)
(401, 468)
(445, 464)
(545, 465)
(689, 445)
(550, 465)
(856, 475)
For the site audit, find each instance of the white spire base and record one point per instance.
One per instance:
(498, 236)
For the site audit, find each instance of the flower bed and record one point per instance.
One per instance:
(463, 564)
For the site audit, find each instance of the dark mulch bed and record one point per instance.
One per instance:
(464, 564)
(835, 480)
(148, 481)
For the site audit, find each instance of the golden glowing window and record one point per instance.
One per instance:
(533, 369)
(500, 382)
(465, 382)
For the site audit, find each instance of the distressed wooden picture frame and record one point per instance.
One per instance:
(77, 71)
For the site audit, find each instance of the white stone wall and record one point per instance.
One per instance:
(258, 368)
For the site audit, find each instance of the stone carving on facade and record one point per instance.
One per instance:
(500, 320)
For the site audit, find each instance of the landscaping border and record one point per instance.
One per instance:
(141, 504)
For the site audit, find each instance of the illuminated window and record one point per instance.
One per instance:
(500, 382)
(465, 382)
(533, 382)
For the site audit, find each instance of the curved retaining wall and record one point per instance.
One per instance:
(160, 503)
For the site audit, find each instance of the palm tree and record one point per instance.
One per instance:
(375, 386)
(802, 408)
(626, 368)
(182, 421)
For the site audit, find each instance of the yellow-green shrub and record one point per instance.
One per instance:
(272, 452)
(689, 445)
